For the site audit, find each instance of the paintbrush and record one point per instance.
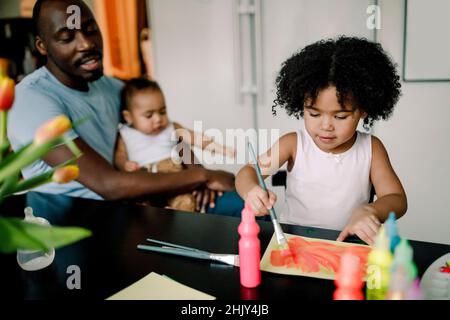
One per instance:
(281, 238)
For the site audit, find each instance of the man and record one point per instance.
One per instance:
(72, 83)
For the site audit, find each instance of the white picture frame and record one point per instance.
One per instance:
(426, 45)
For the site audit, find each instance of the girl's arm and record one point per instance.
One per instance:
(389, 190)
(202, 141)
(284, 150)
(366, 220)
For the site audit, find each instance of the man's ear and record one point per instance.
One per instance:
(40, 46)
(127, 116)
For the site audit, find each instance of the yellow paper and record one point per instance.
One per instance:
(157, 287)
(323, 272)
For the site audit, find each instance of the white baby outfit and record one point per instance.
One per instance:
(146, 148)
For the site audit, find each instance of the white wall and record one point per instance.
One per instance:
(417, 138)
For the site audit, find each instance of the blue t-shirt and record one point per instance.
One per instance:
(41, 97)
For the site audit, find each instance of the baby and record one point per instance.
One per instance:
(149, 140)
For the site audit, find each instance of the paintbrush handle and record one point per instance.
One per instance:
(281, 238)
(262, 184)
(168, 244)
(258, 169)
(175, 251)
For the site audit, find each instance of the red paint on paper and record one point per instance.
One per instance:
(312, 256)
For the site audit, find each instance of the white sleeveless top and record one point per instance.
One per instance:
(323, 188)
(146, 148)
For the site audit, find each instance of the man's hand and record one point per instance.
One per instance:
(220, 180)
(363, 223)
(260, 201)
(205, 198)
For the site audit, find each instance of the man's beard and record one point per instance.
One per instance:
(97, 74)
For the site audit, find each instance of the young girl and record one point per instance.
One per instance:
(333, 84)
(149, 140)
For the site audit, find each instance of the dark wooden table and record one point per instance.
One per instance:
(109, 260)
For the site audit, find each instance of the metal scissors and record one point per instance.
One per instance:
(230, 259)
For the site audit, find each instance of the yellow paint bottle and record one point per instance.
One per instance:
(378, 268)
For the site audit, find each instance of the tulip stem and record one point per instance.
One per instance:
(3, 118)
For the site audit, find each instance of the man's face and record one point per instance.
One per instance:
(73, 54)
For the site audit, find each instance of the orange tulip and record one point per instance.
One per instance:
(6, 93)
(52, 129)
(66, 174)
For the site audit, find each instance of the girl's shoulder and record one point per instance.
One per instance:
(289, 139)
(288, 145)
(377, 146)
(290, 135)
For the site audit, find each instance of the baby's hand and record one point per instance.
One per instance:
(363, 223)
(131, 166)
(260, 201)
(229, 152)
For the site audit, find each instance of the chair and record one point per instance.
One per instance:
(279, 179)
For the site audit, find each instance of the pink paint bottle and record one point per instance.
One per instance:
(349, 278)
(249, 249)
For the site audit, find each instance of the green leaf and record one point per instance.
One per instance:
(72, 147)
(13, 156)
(4, 147)
(17, 234)
(14, 163)
(25, 156)
(44, 178)
(34, 182)
(9, 185)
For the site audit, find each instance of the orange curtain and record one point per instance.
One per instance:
(26, 8)
(118, 22)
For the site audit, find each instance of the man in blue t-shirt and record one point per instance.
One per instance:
(72, 83)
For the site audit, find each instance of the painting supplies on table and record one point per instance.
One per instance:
(392, 231)
(378, 268)
(159, 287)
(249, 249)
(230, 259)
(403, 272)
(317, 258)
(281, 238)
(349, 278)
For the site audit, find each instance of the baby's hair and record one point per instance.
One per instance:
(136, 85)
(363, 74)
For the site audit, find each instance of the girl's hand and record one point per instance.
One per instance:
(363, 223)
(131, 166)
(260, 201)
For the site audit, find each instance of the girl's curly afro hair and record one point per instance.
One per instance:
(360, 70)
